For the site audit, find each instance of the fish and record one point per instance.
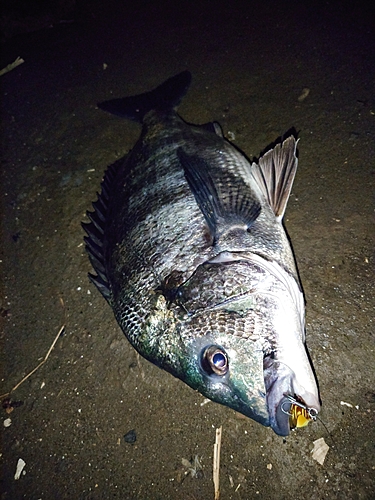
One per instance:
(189, 249)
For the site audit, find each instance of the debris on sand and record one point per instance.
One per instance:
(193, 466)
(320, 450)
(216, 464)
(305, 92)
(11, 66)
(20, 465)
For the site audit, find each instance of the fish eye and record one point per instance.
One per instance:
(215, 360)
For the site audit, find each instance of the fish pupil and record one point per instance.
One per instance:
(215, 361)
(219, 360)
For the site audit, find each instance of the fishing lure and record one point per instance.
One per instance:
(299, 414)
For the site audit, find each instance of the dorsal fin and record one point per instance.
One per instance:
(275, 174)
(226, 204)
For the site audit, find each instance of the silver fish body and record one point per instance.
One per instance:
(190, 252)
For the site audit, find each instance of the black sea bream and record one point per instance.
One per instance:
(190, 252)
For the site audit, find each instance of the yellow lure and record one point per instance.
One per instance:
(299, 417)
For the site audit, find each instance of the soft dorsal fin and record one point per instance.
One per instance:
(226, 204)
(275, 174)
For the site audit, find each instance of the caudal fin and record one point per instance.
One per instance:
(166, 96)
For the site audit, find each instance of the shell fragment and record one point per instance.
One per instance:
(20, 465)
(320, 450)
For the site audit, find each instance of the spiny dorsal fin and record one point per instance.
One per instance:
(226, 203)
(275, 174)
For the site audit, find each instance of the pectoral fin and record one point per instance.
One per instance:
(225, 203)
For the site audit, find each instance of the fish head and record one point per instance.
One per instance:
(224, 367)
(234, 372)
(231, 329)
(218, 353)
(247, 351)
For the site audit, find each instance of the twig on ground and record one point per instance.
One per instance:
(11, 66)
(216, 464)
(37, 367)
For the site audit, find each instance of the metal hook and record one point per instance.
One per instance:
(282, 409)
(311, 412)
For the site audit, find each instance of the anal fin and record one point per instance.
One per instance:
(96, 228)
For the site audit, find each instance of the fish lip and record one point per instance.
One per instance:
(280, 422)
(283, 391)
(278, 382)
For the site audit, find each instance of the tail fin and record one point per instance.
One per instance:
(167, 96)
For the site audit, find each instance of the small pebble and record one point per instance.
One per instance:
(7, 422)
(130, 437)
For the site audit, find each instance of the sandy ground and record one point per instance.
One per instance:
(250, 66)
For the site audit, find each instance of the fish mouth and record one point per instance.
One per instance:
(299, 413)
(289, 405)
